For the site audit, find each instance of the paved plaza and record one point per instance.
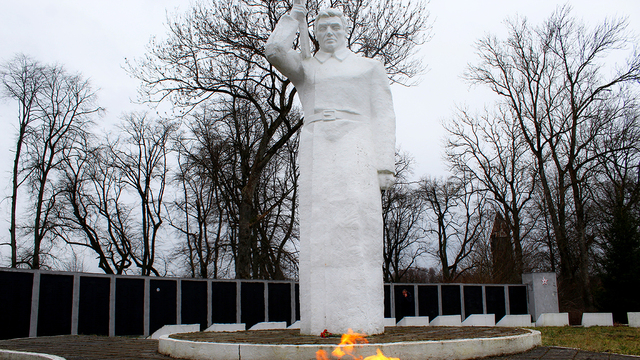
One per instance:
(85, 347)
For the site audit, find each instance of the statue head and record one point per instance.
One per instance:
(330, 29)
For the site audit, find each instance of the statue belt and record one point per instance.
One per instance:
(330, 115)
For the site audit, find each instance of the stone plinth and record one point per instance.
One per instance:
(559, 319)
(515, 321)
(174, 329)
(480, 320)
(269, 325)
(414, 321)
(389, 322)
(446, 320)
(597, 319)
(227, 327)
(295, 325)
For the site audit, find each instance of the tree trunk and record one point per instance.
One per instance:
(517, 245)
(245, 232)
(583, 258)
(14, 200)
(37, 229)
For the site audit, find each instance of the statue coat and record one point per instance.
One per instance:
(348, 137)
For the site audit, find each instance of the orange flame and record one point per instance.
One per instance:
(346, 347)
(379, 356)
(347, 343)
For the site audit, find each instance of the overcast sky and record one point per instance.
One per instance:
(94, 37)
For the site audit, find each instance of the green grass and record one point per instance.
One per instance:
(618, 339)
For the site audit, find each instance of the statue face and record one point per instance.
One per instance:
(330, 34)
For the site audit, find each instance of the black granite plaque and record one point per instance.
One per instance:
(15, 304)
(404, 300)
(54, 307)
(93, 307)
(428, 301)
(162, 304)
(252, 303)
(280, 302)
(223, 302)
(451, 300)
(129, 307)
(194, 302)
(472, 300)
(387, 301)
(297, 301)
(495, 301)
(518, 300)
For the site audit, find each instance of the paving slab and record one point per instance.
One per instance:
(91, 347)
(557, 353)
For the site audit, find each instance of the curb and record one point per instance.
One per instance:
(22, 355)
(459, 349)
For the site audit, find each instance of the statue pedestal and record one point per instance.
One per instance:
(339, 298)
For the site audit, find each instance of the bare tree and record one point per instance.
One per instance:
(456, 210)
(216, 52)
(219, 147)
(490, 148)
(92, 212)
(198, 219)
(72, 212)
(22, 79)
(403, 209)
(141, 160)
(553, 80)
(200, 215)
(275, 256)
(64, 107)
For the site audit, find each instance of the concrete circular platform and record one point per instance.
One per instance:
(24, 355)
(412, 343)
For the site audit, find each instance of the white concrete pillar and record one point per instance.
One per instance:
(542, 292)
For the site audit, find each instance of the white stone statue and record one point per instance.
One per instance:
(346, 156)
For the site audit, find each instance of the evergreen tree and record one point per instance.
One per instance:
(621, 260)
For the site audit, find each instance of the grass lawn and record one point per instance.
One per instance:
(617, 339)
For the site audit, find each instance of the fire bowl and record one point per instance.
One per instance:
(405, 343)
